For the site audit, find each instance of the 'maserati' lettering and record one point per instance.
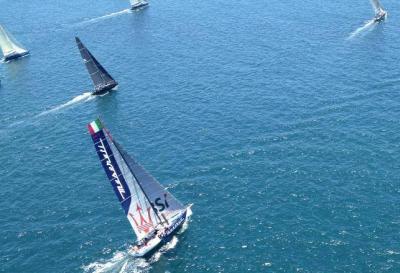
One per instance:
(111, 168)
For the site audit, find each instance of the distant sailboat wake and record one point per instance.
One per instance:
(368, 26)
(87, 96)
(104, 17)
(380, 15)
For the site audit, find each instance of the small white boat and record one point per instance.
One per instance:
(11, 49)
(154, 213)
(380, 13)
(138, 4)
(381, 16)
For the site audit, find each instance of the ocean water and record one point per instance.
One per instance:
(279, 120)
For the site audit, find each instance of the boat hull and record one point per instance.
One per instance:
(139, 5)
(167, 236)
(381, 17)
(15, 56)
(105, 89)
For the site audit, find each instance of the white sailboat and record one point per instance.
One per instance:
(154, 214)
(137, 4)
(10, 47)
(380, 13)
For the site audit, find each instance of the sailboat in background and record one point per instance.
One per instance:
(103, 82)
(137, 4)
(10, 47)
(154, 214)
(380, 13)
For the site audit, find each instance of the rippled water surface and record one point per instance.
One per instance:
(279, 120)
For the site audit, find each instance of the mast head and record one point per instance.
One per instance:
(95, 126)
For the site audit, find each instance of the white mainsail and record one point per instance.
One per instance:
(135, 2)
(377, 6)
(8, 44)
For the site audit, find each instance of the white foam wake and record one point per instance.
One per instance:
(104, 17)
(121, 262)
(81, 98)
(124, 262)
(368, 26)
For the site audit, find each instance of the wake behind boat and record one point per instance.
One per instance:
(11, 49)
(102, 80)
(380, 13)
(138, 4)
(154, 214)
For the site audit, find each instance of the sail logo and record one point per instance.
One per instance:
(159, 204)
(142, 224)
(114, 175)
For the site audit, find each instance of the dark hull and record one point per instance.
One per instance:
(380, 18)
(141, 5)
(104, 90)
(167, 238)
(15, 56)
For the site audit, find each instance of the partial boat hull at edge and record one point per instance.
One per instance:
(139, 5)
(15, 56)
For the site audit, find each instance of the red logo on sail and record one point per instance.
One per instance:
(142, 224)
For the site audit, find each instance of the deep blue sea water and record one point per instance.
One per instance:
(279, 120)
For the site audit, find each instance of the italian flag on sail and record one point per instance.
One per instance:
(95, 126)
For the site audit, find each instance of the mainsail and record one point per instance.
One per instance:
(145, 201)
(377, 6)
(135, 2)
(100, 77)
(9, 45)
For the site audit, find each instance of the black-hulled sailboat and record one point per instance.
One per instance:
(154, 213)
(138, 4)
(103, 82)
(380, 13)
(11, 49)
